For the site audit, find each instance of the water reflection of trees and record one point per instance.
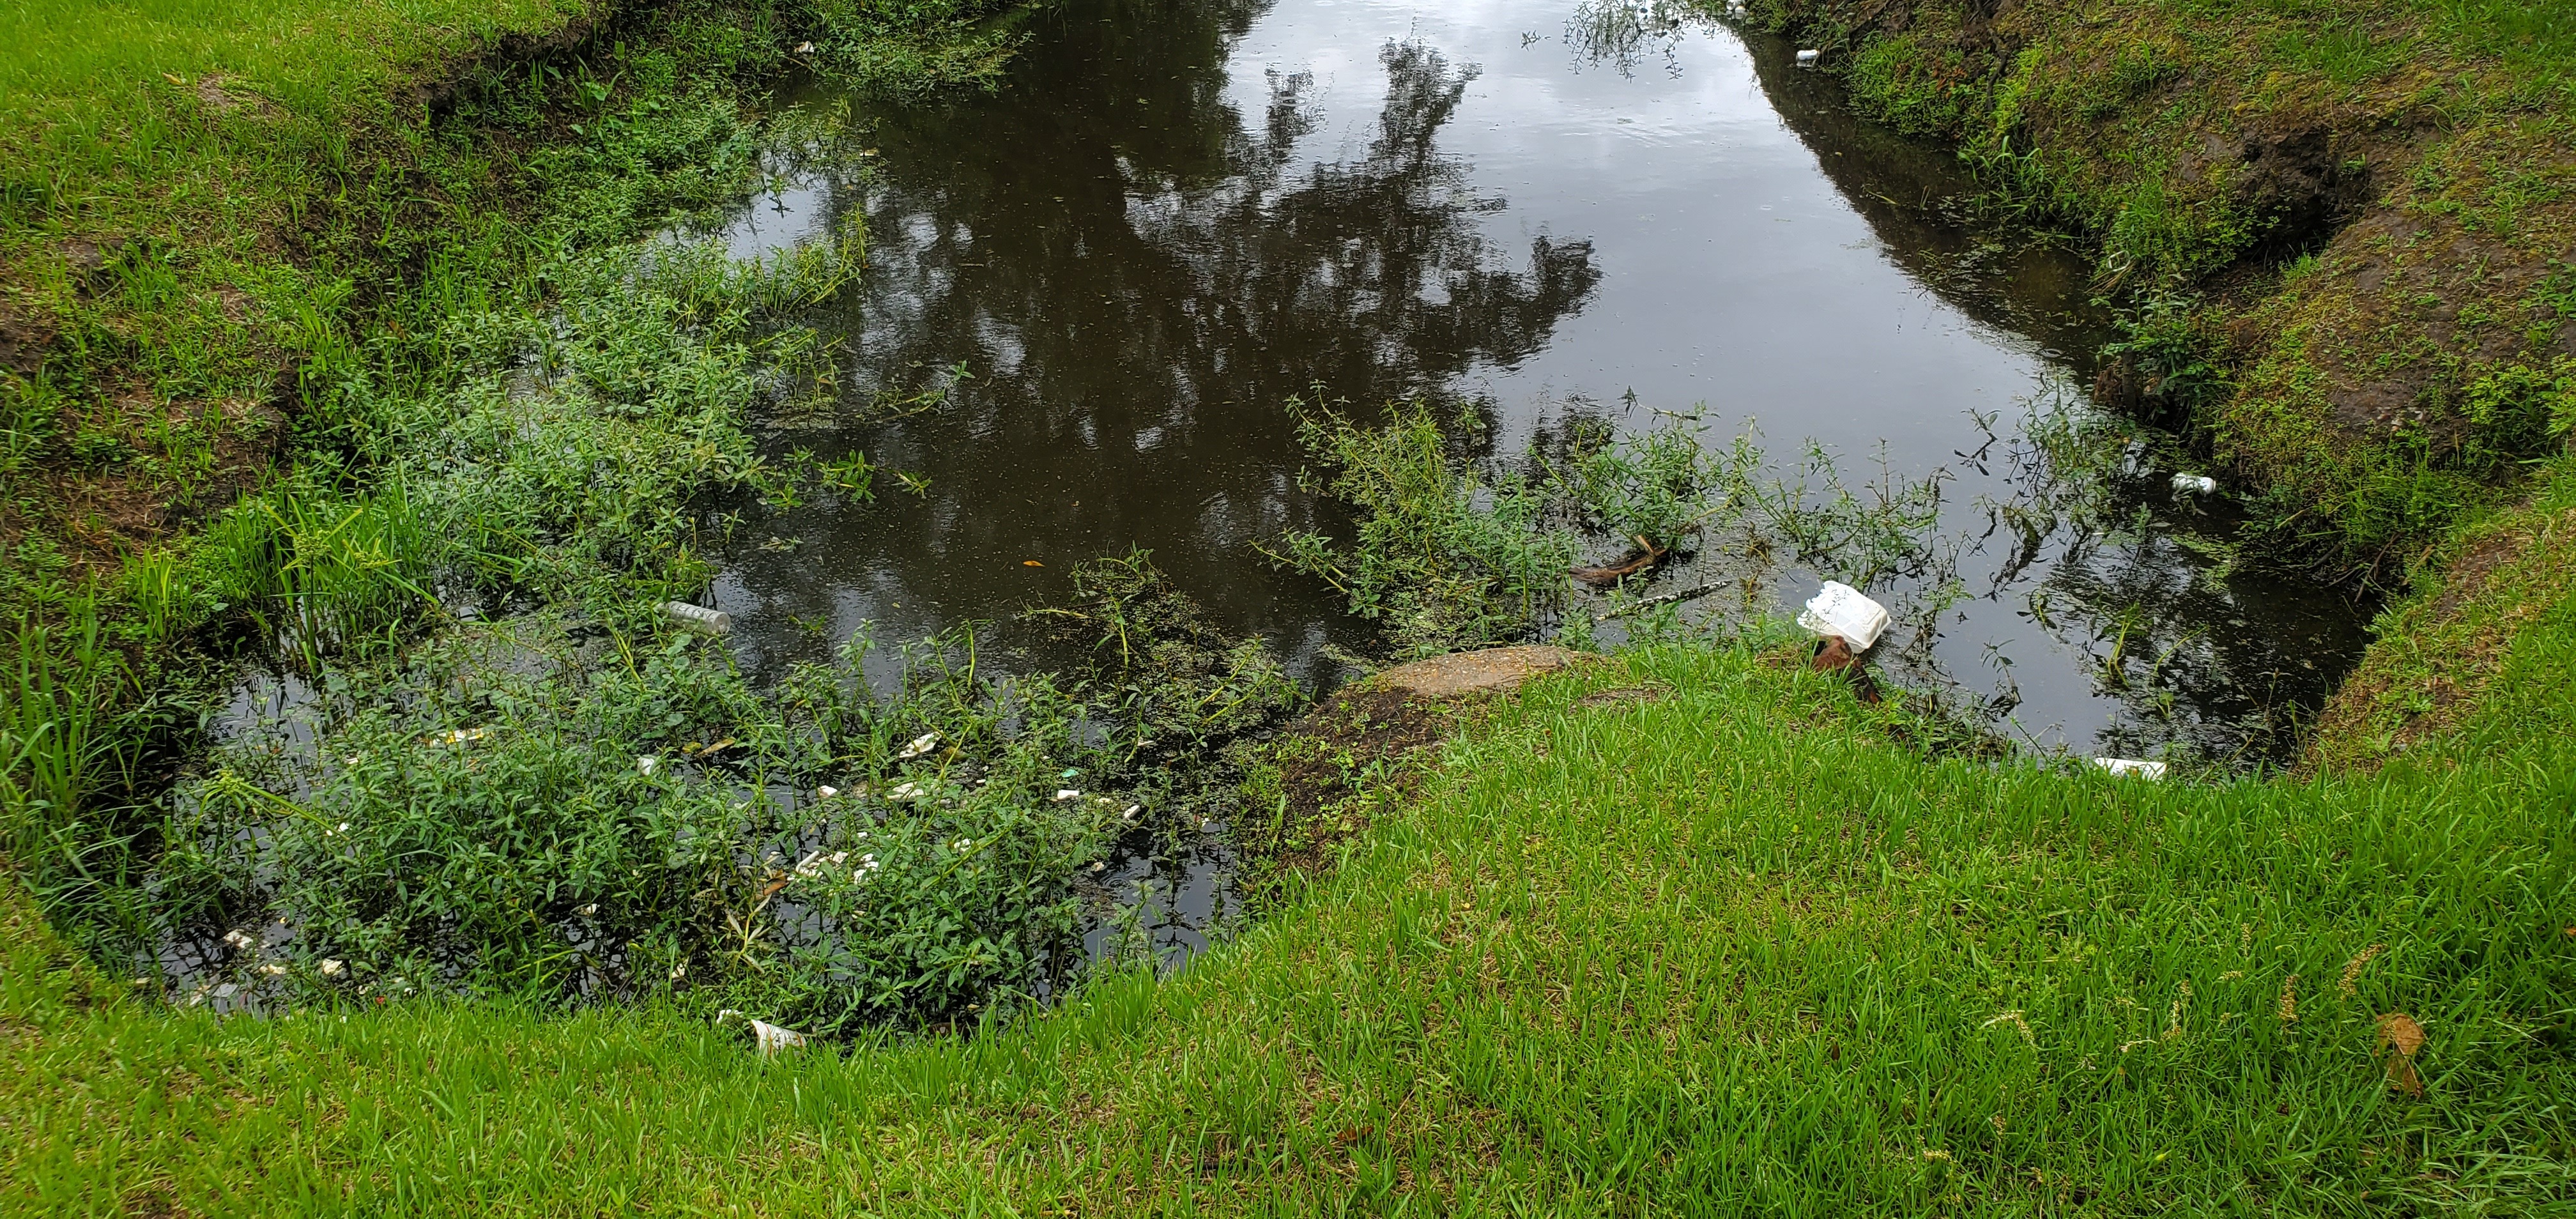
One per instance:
(1138, 275)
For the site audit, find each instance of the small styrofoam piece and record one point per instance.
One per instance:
(698, 618)
(769, 1037)
(2195, 484)
(1840, 609)
(2132, 767)
(773, 1039)
(1808, 58)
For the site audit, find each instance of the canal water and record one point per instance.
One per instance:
(1091, 290)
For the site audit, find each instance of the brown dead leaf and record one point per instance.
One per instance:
(2398, 1031)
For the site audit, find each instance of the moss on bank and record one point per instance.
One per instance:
(2343, 228)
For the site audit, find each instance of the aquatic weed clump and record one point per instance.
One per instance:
(563, 813)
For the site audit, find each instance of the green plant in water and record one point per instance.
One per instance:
(1443, 559)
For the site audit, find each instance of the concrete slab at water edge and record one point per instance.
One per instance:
(1491, 671)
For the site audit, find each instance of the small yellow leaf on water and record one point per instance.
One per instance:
(1031, 563)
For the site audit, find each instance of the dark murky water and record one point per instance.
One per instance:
(1174, 216)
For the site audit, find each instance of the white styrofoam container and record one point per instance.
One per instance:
(1840, 609)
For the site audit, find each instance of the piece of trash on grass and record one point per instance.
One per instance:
(1808, 58)
(273, 969)
(905, 791)
(2195, 484)
(769, 1037)
(333, 967)
(1067, 793)
(239, 939)
(920, 745)
(458, 736)
(1031, 563)
(2131, 767)
(827, 791)
(804, 48)
(1840, 609)
(645, 766)
(698, 618)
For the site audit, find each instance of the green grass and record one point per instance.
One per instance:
(2358, 209)
(1723, 951)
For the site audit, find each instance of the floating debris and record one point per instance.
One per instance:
(698, 618)
(2195, 484)
(1841, 610)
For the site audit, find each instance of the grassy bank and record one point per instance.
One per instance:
(1716, 949)
(2341, 230)
(1686, 929)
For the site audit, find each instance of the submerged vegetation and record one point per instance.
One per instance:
(1452, 553)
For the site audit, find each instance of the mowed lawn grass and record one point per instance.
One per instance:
(102, 76)
(1717, 950)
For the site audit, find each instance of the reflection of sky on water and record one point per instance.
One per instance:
(1175, 216)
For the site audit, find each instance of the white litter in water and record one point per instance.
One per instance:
(2131, 766)
(1840, 609)
(240, 940)
(1807, 59)
(698, 618)
(2195, 484)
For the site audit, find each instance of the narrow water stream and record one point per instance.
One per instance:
(1174, 216)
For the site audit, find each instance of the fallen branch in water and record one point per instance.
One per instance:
(1604, 577)
(1687, 594)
